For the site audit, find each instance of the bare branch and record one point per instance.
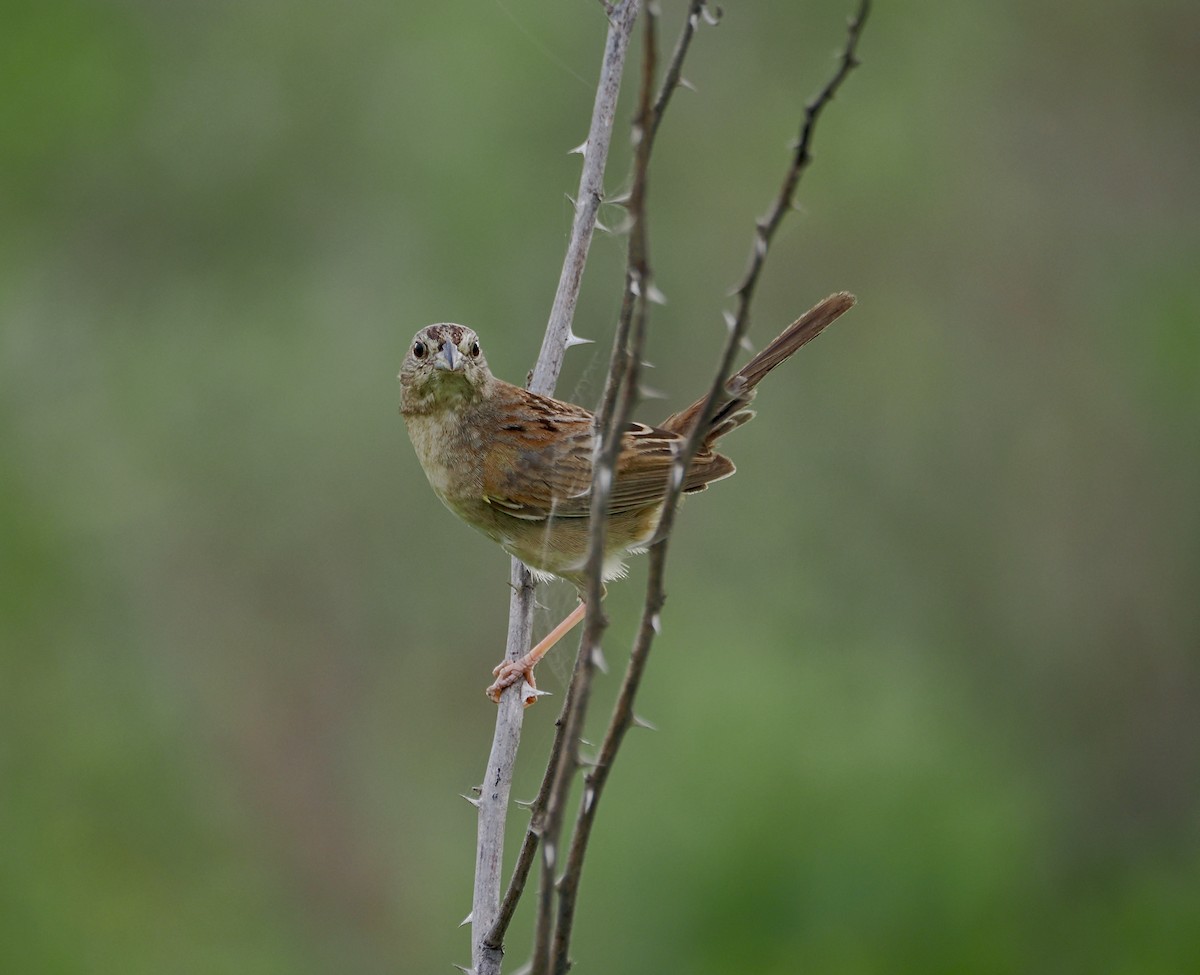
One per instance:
(612, 419)
(497, 785)
(801, 159)
(486, 952)
(538, 817)
(551, 941)
(623, 716)
(587, 201)
(672, 77)
(516, 885)
(764, 233)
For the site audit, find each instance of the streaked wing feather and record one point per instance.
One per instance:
(563, 487)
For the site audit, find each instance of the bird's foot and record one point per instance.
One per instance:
(508, 673)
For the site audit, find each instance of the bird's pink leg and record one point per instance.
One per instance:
(511, 671)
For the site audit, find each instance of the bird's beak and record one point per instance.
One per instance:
(449, 358)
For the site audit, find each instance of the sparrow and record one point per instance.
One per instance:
(517, 465)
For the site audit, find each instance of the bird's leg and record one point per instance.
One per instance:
(511, 671)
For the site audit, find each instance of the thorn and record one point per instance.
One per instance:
(588, 762)
(684, 83)
(602, 227)
(655, 296)
(574, 205)
(649, 392)
(746, 344)
(524, 803)
(712, 17)
(466, 920)
(548, 853)
(579, 150)
(635, 287)
(730, 319)
(598, 660)
(656, 623)
(473, 802)
(589, 799)
(640, 722)
(620, 200)
(573, 340)
(466, 971)
(529, 693)
(584, 741)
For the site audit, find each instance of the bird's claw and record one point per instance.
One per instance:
(507, 674)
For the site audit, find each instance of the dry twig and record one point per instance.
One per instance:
(623, 714)
(486, 952)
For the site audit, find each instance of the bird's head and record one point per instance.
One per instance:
(444, 363)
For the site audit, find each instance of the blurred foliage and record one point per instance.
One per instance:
(928, 683)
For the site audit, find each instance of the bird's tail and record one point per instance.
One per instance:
(733, 410)
(806, 328)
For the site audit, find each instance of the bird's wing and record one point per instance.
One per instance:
(541, 466)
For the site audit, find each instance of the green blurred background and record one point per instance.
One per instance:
(927, 693)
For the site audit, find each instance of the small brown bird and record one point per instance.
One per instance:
(518, 466)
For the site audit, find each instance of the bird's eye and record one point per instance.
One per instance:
(474, 350)
(419, 350)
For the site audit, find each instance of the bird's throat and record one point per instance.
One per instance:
(441, 392)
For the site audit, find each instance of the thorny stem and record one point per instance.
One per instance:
(533, 833)
(549, 951)
(674, 73)
(621, 18)
(516, 886)
(764, 233)
(801, 158)
(626, 364)
(486, 950)
(623, 715)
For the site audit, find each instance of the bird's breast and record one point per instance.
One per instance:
(450, 454)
